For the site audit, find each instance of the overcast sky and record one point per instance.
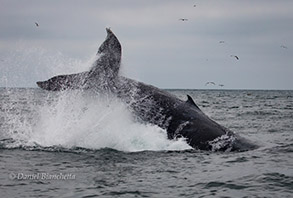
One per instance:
(158, 48)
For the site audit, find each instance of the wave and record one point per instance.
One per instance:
(82, 119)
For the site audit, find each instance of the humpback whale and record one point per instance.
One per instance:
(149, 104)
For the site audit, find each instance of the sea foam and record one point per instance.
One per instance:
(84, 119)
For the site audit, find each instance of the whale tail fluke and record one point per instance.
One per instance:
(104, 70)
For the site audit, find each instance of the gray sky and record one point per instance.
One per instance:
(158, 48)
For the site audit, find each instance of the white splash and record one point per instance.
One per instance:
(81, 119)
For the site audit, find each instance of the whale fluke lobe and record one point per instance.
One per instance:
(105, 69)
(149, 104)
(110, 45)
(63, 82)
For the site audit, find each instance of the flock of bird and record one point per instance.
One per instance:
(185, 19)
(221, 42)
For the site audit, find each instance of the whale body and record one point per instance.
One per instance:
(149, 104)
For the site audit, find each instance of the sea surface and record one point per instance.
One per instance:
(75, 144)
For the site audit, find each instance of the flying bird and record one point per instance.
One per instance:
(235, 57)
(194, 5)
(37, 24)
(221, 85)
(221, 41)
(212, 83)
(183, 19)
(283, 46)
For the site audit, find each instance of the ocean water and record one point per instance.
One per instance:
(75, 144)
